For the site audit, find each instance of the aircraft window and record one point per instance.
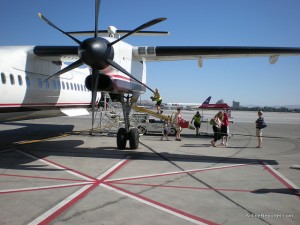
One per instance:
(3, 78)
(81, 87)
(40, 84)
(75, 87)
(12, 79)
(54, 84)
(71, 84)
(67, 85)
(78, 87)
(58, 85)
(20, 80)
(63, 85)
(27, 81)
(47, 84)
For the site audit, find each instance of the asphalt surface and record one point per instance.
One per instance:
(53, 172)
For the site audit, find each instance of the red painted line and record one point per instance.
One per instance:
(68, 205)
(37, 177)
(75, 171)
(41, 188)
(58, 165)
(44, 104)
(280, 179)
(178, 172)
(164, 206)
(77, 198)
(180, 187)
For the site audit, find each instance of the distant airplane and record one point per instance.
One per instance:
(207, 105)
(36, 83)
(188, 106)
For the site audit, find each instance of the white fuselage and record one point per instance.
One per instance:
(25, 94)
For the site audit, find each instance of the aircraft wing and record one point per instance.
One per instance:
(164, 53)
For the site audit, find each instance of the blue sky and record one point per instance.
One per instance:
(272, 23)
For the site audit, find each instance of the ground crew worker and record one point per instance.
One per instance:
(197, 122)
(156, 97)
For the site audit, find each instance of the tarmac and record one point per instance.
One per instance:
(54, 172)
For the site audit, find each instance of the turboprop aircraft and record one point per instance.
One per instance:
(34, 78)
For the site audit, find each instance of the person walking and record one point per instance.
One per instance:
(224, 129)
(216, 122)
(166, 130)
(260, 125)
(177, 123)
(156, 97)
(197, 122)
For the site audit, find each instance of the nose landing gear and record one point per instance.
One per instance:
(127, 132)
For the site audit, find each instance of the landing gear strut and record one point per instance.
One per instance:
(127, 133)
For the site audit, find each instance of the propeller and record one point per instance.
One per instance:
(97, 52)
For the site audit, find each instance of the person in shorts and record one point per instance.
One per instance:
(156, 97)
(166, 130)
(197, 122)
(224, 129)
(177, 123)
(259, 124)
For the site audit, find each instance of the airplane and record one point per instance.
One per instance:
(187, 106)
(36, 82)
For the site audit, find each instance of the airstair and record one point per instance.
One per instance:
(150, 112)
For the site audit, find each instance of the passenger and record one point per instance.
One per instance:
(216, 122)
(166, 130)
(260, 125)
(156, 97)
(224, 129)
(197, 122)
(177, 123)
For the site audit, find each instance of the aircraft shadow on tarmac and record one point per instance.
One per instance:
(71, 148)
(286, 191)
(29, 132)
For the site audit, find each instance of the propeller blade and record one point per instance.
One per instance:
(95, 79)
(68, 68)
(52, 25)
(145, 25)
(97, 7)
(118, 67)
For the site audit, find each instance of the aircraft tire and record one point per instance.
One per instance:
(134, 138)
(121, 138)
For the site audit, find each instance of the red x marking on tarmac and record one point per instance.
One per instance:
(89, 183)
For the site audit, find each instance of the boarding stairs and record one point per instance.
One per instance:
(184, 124)
(152, 113)
(109, 118)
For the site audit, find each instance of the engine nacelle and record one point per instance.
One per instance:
(105, 83)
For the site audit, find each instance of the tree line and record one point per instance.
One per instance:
(267, 109)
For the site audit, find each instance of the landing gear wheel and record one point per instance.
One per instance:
(134, 138)
(121, 138)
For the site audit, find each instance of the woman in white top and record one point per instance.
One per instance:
(177, 123)
(217, 127)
